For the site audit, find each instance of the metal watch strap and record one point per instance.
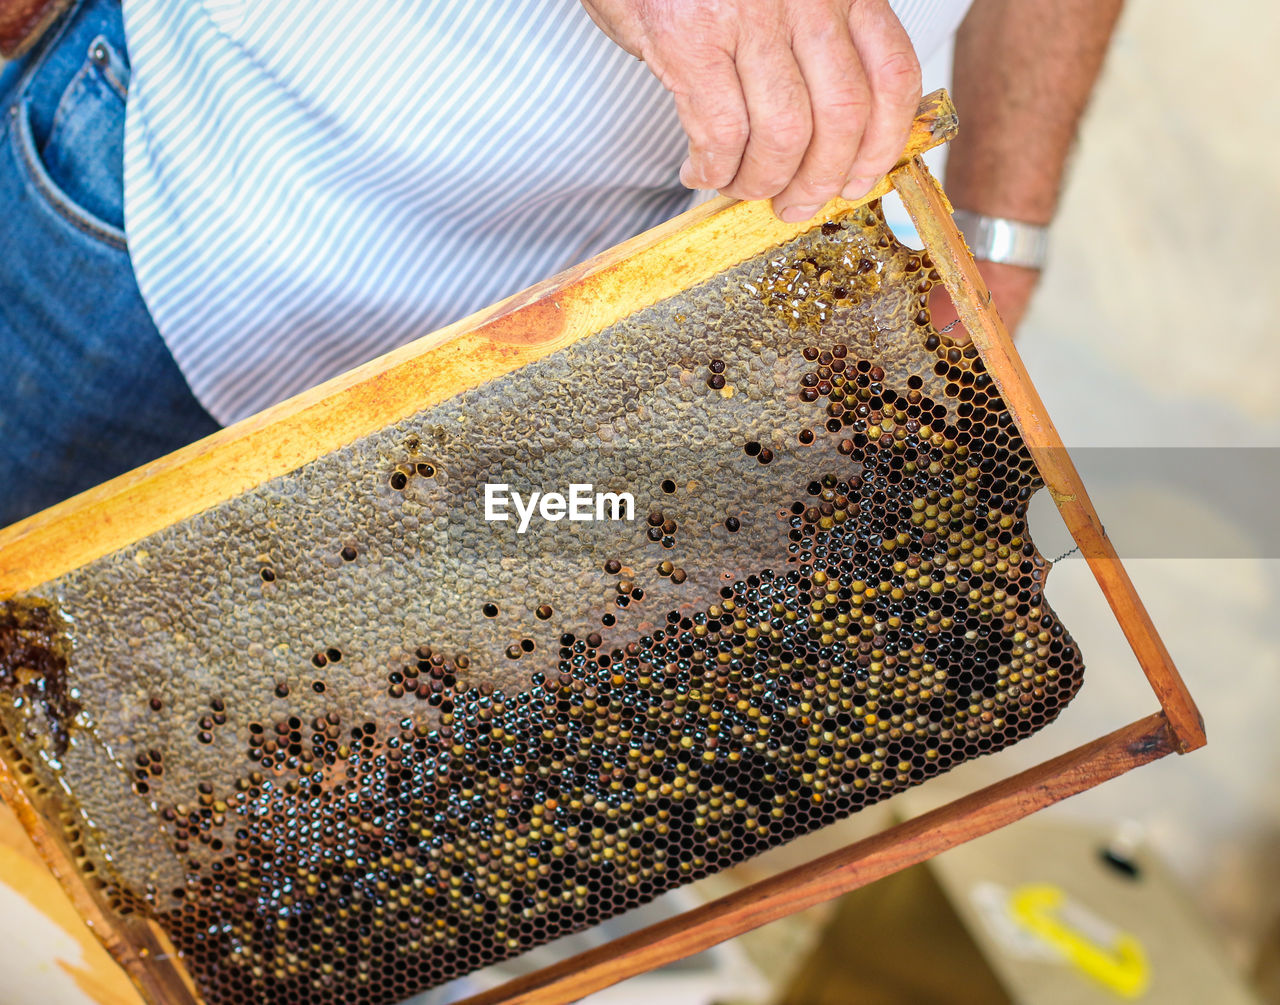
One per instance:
(1010, 242)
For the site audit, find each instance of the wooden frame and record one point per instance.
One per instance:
(530, 325)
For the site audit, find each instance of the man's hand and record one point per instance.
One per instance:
(794, 100)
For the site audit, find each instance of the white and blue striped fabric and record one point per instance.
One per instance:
(310, 184)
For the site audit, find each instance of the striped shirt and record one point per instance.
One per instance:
(311, 184)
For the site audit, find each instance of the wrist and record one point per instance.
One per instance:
(1011, 289)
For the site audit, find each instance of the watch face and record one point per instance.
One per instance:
(726, 571)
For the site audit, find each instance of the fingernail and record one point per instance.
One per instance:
(686, 174)
(857, 187)
(797, 214)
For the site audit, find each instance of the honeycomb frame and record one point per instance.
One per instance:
(141, 945)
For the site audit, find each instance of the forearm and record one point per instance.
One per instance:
(1023, 73)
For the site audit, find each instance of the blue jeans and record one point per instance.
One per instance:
(88, 389)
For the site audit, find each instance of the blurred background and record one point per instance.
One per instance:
(1152, 332)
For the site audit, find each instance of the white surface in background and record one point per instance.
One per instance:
(30, 947)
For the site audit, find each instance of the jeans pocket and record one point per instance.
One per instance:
(78, 169)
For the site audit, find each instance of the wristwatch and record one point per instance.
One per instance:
(1010, 242)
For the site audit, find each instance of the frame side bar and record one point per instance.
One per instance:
(931, 212)
(839, 872)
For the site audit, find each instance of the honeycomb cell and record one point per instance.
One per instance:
(425, 741)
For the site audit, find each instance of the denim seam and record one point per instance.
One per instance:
(108, 69)
(114, 82)
(78, 83)
(54, 198)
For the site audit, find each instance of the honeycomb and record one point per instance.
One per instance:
(344, 739)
